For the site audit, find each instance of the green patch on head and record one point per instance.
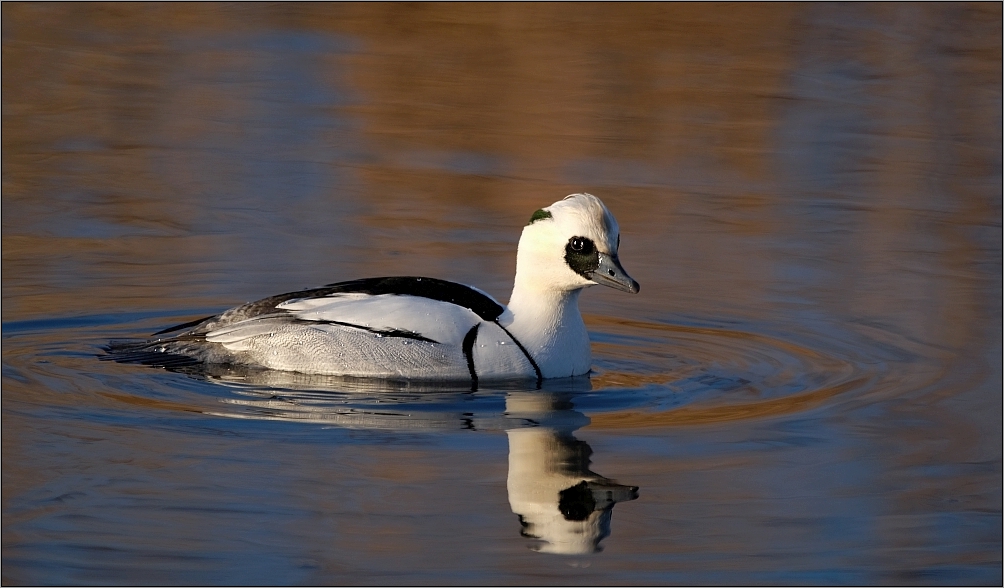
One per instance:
(538, 215)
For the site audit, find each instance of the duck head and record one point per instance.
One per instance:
(570, 245)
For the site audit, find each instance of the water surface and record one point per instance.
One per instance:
(807, 390)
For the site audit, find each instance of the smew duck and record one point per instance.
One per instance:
(418, 327)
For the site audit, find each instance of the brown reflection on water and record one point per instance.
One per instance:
(149, 403)
(717, 414)
(544, 85)
(482, 107)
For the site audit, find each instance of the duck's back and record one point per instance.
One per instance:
(406, 327)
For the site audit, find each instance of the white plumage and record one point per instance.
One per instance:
(423, 328)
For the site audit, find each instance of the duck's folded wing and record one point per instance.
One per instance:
(343, 296)
(384, 315)
(385, 327)
(356, 335)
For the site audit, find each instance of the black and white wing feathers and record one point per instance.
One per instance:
(384, 327)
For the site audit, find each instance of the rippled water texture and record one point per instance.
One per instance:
(807, 390)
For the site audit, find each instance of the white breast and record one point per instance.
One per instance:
(496, 355)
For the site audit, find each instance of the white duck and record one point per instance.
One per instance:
(423, 328)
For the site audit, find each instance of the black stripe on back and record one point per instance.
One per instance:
(401, 333)
(432, 288)
(468, 347)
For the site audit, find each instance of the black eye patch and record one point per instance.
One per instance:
(581, 255)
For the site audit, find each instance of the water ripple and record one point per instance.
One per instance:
(646, 374)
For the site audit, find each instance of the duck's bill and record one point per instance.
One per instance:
(610, 273)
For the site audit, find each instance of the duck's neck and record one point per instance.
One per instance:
(550, 327)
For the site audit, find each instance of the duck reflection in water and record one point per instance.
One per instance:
(558, 499)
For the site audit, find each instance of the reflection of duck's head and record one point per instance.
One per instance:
(558, 499)
(577, 521)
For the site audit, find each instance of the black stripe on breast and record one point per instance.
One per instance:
(401, 333)
(468, 347)
(536, 368)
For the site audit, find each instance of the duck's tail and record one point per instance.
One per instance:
(168, 354)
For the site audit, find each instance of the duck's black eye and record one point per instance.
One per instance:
(581, 245)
